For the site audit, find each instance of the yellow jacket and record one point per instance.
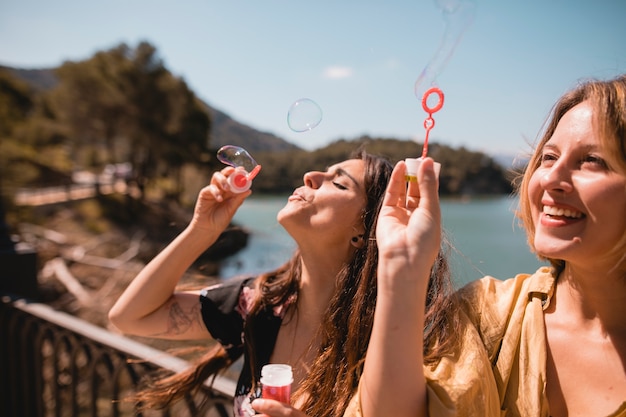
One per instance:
(500, 369)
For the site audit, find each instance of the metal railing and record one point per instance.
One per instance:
(54, 364)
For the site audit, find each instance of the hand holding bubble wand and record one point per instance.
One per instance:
(245, 166)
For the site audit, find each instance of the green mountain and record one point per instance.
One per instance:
(224, 129)
(164, 147)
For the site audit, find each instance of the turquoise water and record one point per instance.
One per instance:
(487, 238)
(485, 235)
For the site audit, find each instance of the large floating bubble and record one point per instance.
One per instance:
(304, 114)
(458, 16)
(236, 156)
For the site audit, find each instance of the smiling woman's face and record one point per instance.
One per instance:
(578, 203)
(329, 203)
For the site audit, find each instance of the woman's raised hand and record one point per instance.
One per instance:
(216, 204)
(150, 306)
(408, 235)
(408, 232)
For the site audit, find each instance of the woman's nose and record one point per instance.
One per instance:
(313, 179)
(557, 177)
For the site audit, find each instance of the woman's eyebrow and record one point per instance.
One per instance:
(343, 172)
(591, 147)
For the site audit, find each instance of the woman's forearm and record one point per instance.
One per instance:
(408, 234)
(393, 378)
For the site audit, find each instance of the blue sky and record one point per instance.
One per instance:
(358, 60)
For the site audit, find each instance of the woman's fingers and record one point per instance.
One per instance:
(220, 178)
(396, 189)
(219, 188)
(272, 408)
(412, 195)
(216, 204)
(399, 194)
(428, 183)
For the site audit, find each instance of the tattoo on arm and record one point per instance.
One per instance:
(180, 321)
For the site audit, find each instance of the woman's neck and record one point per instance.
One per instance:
(317, 286)
(592, 298)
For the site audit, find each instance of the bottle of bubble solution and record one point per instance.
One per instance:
(413, 164)
(245, 166)
(276, 382)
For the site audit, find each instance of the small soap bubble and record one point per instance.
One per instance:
(236, 156)
(304, 114)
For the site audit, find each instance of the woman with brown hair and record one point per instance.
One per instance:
(314, 313)
(552, 343)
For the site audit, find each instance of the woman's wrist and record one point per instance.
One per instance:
(196, 235)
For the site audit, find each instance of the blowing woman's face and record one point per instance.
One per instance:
(330, 203)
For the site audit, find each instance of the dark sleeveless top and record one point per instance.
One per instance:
(225, 308)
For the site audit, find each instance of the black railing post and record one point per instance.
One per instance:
(18, 271)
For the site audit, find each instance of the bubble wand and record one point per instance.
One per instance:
(246, 167)
(413, 163)
(429, 122)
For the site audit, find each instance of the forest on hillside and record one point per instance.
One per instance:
(123, 105)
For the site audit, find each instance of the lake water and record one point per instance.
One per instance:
(484, 232)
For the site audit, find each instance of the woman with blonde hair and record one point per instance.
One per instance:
(552, 343)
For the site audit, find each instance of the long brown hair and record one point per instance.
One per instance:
(608, 99)
(346, 326)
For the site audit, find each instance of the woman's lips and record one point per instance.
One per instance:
(296, 196)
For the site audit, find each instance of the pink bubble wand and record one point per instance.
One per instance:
(429, 122)
(412, 164)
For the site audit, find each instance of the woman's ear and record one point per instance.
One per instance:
(357, 241)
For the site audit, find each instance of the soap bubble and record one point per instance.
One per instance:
(236, 156)
(304, 114)
(457, 15)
